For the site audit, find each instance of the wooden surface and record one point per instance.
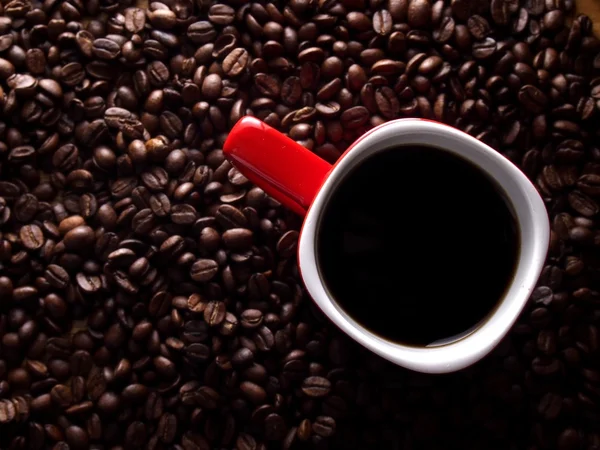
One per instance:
(592, 9)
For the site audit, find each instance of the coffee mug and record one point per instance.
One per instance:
(305, 183)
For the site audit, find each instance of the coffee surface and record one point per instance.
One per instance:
(417, 244)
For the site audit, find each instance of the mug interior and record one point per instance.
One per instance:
(453, 352)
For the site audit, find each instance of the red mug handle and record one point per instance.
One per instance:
(284, 169)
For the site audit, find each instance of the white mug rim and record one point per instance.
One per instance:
(533, 227)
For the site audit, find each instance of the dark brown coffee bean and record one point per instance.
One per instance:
(245, 441)
(535, 7)
(316, 386)
(324, 426)
(214, 313)
(160, 204)
(183, 214)
(484, 49)
(532, 99)
(419, 13)
(264, 339)
(7, 69)
(88, 283)
(242, 358)
(500, 11)
(32, 237)
(253, 392)
(236, 62)
(164, 367)
(77, 437)
(330, 110)
(204, 270)
(7, 411)
(197, 352)
(22, 83)
(155, 179)
(238, 238)
(354, 117)
(79, 238)
(201, 32)
(251, 318)
(143, 221)
(387, 102)
(158, 74)
(65, 157)
(57, 276)
(135, 436)
(221, 14)
(106, 49)
(550, 406)
(26, 207)
(382, 22)
(61, 395)
(230, 217)
(478, 27)
(124, 121)
(135, 392)
(211, 86)
(167, 428)
(582, 204)
(445, 30)
(160, 304)
(275, 427)
(135, 19)
(267, 84)
(208, 398)
(291, 90)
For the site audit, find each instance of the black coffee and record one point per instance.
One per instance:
(417, 245)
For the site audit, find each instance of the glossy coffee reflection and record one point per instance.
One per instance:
(417, 245)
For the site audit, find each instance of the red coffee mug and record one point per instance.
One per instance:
(303, 182)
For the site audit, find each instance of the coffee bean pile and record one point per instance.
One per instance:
(149, 294)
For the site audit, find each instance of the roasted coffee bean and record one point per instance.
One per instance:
(253, 392)
(76, 437)
(251, 318)
(242, 358)
(419, 13)
(316, 386)
(236, 62)
(214, 313)
(478, 26)
(207, 398)
(201, 32)
(382, 22)
(61, 395)
(204, 270)
(32, 237)
(230, 217)
(237, 238)
(354, 117)
(533, 99)
(26, 207)
(183, 214)
(57, 276)
(160, 204)
(324, 426)
(135, 19)
(105, 49)
(275, 427)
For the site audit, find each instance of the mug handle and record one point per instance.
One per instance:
(284, 169)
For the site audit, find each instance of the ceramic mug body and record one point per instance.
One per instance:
(305, 183)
